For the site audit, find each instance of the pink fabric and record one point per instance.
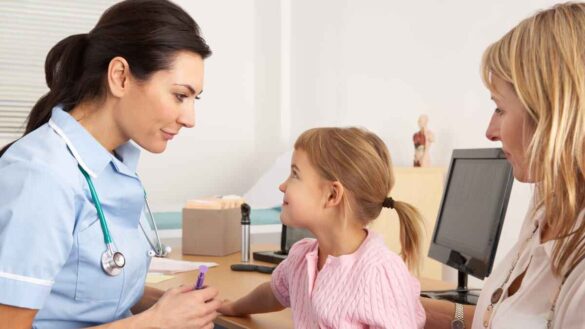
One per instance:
(370, 288)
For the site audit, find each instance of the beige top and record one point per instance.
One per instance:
(530, 305)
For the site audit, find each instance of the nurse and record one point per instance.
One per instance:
(69, 185)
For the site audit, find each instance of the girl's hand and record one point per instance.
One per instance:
(227, 308)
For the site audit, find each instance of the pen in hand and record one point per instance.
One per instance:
(200, 277)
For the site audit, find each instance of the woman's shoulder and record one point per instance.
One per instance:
(571, 300)
(40, 151)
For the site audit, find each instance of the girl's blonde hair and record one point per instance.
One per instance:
(360, 161)
(543, 57)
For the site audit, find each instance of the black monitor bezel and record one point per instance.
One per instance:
(453, 258)
(284, 239)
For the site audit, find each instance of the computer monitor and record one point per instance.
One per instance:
(471, 217)
(288, 237)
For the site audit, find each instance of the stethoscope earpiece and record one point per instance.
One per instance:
(162, 251)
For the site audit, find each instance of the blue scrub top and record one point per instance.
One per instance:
(51, 240)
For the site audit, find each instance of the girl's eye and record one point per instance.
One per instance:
(498, 111)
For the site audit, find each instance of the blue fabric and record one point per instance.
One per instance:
(50, 236)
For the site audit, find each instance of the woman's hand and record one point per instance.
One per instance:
(184, 307)
(440, 313)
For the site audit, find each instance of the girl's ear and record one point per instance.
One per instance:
(335, 196)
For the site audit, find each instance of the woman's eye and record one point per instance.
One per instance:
(180, 97)
(498, 111)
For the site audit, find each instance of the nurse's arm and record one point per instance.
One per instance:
(440, 313)
(12, 317)
(150, 297)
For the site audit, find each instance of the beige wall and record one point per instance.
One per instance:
(422, 188)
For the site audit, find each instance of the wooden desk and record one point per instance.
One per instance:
(233, 285)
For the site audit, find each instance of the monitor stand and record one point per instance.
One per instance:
(461, 294)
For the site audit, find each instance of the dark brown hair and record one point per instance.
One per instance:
(146, 33)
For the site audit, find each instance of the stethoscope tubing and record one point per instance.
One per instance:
(98, 207)
(109, 257)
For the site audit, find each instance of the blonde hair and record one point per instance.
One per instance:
(543, 57)
(360, 161)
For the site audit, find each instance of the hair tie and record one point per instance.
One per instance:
(388, 203)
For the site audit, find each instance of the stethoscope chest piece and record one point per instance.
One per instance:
(113, 262)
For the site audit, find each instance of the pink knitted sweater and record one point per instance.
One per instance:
(370, 288)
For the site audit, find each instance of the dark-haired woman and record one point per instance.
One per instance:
(71, 259)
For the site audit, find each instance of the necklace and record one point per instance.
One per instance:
(497, 295)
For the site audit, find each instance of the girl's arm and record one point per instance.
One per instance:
(260, 300)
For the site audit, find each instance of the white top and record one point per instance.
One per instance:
(529, 306)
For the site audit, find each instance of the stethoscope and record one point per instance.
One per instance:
(113, 261)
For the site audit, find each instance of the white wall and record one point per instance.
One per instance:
(380, 64)
(237, 133)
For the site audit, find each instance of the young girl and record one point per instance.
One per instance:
(346, 278)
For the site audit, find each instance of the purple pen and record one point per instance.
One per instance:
(200, 277)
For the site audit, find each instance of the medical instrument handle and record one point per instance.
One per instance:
(252, 267)
(245, 246)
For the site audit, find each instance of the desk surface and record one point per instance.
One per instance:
(233, 285)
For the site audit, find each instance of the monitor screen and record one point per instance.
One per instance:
(472, 210)
(291, 235)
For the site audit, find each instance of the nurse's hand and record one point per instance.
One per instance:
(183, 307)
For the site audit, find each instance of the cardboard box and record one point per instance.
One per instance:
(211, 232)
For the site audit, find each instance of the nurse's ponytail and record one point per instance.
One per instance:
(146, 33)
(63, 69)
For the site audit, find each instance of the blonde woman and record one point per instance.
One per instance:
(536, 75)
(346, 278)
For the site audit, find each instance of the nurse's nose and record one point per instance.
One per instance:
(187, 117)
